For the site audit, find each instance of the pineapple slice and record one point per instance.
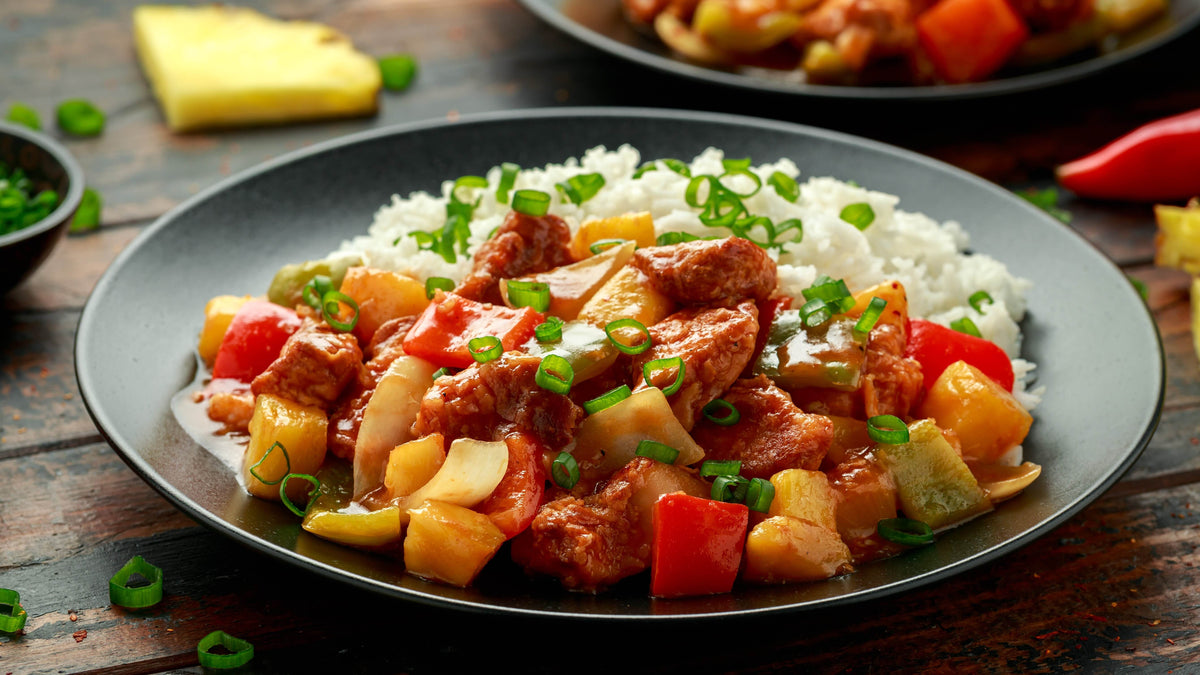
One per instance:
(219, 66)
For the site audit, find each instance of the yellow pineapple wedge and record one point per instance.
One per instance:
(218, 66)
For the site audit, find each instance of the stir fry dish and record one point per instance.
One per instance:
(880, 42)
(602, 399)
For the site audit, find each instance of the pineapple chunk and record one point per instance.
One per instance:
(217, 66)
(299, 429)
(412, 464)
(635, 227)
(934, 484)
(1177, 243)
(607, 440)
(218, 314)
(782, 549)
(571, 286)
(381, 296)
(449, 543)
(896, 310)
(805, 495)
(627, 295)
(985, 417)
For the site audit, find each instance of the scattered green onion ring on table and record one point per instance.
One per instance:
(239, 652)
(14, 620)
(136, 597)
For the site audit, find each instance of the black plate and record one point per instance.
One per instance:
(599, 23)
(1099, 352)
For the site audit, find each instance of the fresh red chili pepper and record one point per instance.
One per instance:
(442, 331)
(254, 339)
(1159, 161)
(697, 546)
(936, 347)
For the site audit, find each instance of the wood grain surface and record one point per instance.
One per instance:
(1115, 589)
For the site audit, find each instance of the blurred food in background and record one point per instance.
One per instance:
(1177, 245)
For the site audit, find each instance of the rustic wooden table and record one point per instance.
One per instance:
(1115, 588)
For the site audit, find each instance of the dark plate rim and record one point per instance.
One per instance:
(142, 467)
(942, 92)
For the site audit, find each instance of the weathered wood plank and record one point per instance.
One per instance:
(1122, 573)
(69, 274)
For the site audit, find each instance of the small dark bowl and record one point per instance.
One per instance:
(49, 165)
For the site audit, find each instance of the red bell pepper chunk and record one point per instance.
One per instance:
(254, 339)
(1155, 162)
(442, 331)
(515, 501)
(936, 347)
(697, 545)
(967, 40)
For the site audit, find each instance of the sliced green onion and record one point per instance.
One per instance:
(785, 186)
(860, 215)
(966, 325)
(120, 593)
(721, 412)
(722, 209)
(397, 71)
(442, 372)
(670, 238)
(1141, 287)
(675, 165)
(657, 451)
(607, 399)
(533, 294)
(331, 309)
(760, 494)
(870, 316)
(604, 244)
(729, 488)
(741, 167)
(905, 531)
(287, 461)
(565, 471)
(87, 216)
(531, 202)
(288, 502)
(579, 189)
(240, 651)
(555, 374)
(629, 323)
(508, 178)
(978, 298)
(656, 366)
(550, 331)
(815, 312)
(716, 467)
(691, 194)
(833, 292)
(434, 284)
(80, 118)
(24, 115)
(14, 620)
(467, 182)
(484, 349)
(315, 289)
(789, 224)
(887, 429)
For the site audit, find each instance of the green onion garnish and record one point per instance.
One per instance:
(24, 115)
(467, 182)
(550, 331)
(656, 366)
(288, 503)
(331, 309)
(673, 164)
(966, 325)
(14, 620)
(287, 461)
(442, 372)
(565, 471)
(240, 651)
(741, 167)
(397, 71)
(905, 531)
(508, 178)
(579, 189)
(716, 467)
(657, 451)
(760, 494)
(555, 374)
(815, 312)
(833, 292)
(604, 244)
(534, 294)
(433, 284)
(729, 488)
(607, 399)
(629, 323)
(484, 349)
(670, 238)
(978, 298)
(887, 429)
(860, 215)
(722, 210)
(721, 412)
(870, 316)
(80, 118)
(315, 290)
(1140, 285)
(785, 186)
(87, 216)
(120, 593)
(531, 202)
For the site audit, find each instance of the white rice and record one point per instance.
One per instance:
(926, 256)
